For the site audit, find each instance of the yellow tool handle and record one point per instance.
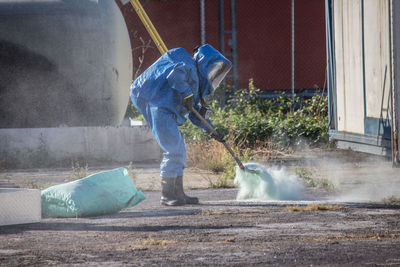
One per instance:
(149, 26)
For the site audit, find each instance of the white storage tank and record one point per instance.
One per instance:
(63, 62)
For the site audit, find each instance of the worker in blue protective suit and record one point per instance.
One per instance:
(165, 93)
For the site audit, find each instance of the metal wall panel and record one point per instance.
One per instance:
(349, 71)
(377, 58)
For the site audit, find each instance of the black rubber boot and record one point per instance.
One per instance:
(181, 194)
(168, 193)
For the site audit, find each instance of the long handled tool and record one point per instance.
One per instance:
(149, 26)
(163, 49)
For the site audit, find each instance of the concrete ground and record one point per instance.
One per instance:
(355, 224)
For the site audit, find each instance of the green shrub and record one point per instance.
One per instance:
(249, 120)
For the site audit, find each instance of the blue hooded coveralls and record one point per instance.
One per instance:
(158, 93)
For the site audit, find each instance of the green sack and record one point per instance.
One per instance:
(98, 194)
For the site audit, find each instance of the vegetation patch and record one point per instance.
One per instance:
(230, 240)
(374, 236)
(78, 171)
(155, 242)
(392, 201)
(258, 128)
(31, 184)
(311, 180)
(130, 171)
(313, 207)
(249, 120)
(213, 156)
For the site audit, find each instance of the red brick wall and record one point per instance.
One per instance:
(263, 34)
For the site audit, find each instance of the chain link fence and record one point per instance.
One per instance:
(279, 43)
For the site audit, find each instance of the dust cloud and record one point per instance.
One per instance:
(354, 177)
(365, 181)
(358, 177)
(267, 183)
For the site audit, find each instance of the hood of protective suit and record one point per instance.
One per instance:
(212, 67)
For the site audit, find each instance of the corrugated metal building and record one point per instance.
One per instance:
(363, 52)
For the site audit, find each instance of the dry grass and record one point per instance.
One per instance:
(374, 236)
(130, 172)
(214, 157)
(313, 207)
(309, 176)
(392, 200)
(77, 171)
(207, 155)
(230, 240)
(31, 184)
(155, 242)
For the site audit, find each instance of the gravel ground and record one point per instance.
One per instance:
(325, 228)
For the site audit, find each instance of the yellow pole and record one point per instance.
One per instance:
(149, 26)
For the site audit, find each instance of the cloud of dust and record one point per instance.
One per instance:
(267, 184)
(358, 177)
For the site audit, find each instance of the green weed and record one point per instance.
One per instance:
(311, 180)
(77, 171)
(248, 120)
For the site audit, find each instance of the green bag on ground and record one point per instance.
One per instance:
(98, 194)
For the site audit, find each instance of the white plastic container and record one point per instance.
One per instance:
(20, 206)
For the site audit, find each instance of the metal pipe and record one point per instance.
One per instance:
(331, 66)
(221, 26)
(234, 46)
(293, 50)
(202, 22)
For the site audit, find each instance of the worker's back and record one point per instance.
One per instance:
(165, 83)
